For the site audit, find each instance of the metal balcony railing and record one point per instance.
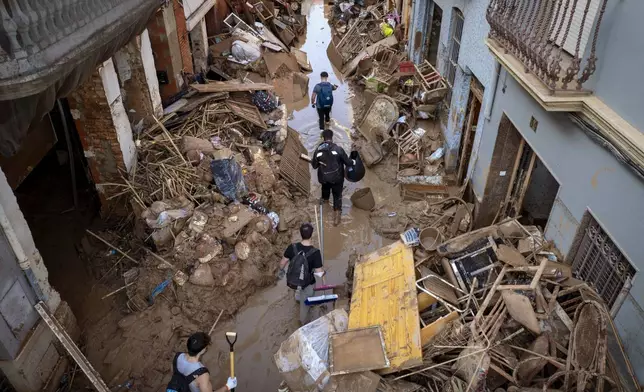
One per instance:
(550, 37)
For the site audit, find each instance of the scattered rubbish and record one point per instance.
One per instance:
(303, 358)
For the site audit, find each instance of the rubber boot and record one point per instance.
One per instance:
(337, 217)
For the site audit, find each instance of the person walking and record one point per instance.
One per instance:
(329, 160)
(189, 374)
(322, 99)
(304, 265)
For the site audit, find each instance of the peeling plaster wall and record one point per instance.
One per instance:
(474, 59)
(149, 68)
(591, 179)
(419, 30)
(119, 115)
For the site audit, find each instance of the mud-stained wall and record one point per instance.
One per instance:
(591, 179)
(474, 59)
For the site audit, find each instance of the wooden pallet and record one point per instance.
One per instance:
(293, 170)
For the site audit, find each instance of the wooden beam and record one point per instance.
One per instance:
(433, 329)
(216, 87)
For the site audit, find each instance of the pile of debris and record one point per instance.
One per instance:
(492, 310)
(258, 45)
(400, 99)
(217, 194)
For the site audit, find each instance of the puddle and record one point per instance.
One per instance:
(271, 315)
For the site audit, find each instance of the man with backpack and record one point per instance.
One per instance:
(189, 374)
(329, 160)
(304, 264)
(322, 99)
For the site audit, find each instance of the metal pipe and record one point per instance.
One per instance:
(70, 151)
(18, 250)
(494, 83)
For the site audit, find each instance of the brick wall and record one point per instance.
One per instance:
(93, 119)
(184, 41)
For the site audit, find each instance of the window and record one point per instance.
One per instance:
(454, 48)
(599, 262)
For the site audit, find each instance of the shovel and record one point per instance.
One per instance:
(231, 338)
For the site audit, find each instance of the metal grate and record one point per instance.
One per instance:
(5, 385)
(600, 263)
(454, 50)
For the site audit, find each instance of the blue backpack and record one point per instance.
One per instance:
(326, 95)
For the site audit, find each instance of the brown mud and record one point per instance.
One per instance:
(262, 311)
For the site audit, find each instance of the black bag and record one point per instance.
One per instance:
(330, 170)
(179, 382)
(229, 178)
(355, 173)
(299, 272)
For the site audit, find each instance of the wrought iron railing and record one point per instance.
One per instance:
(549, 37)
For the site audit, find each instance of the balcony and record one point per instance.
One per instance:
(549, 38)
(549, 47)
(53, 42)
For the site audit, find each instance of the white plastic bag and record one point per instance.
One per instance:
(436, 155)
(303, 358)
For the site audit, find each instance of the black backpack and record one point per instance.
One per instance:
(179, 382)
(330, 164)
(299, 273)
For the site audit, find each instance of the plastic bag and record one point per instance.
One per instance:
(355, 172)
(303, 358)
(245, 52)
(386, 29)
(265, 101)
(436, 155)
(229, 178)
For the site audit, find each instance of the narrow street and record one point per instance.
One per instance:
(271, 315)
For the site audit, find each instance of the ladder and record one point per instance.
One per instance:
(72, 349)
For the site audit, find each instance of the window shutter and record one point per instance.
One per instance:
(576, 25)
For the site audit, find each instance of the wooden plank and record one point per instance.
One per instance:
(217, 87)
(92, 375)
(433, 329)
(357, 350)
(384, 294)
(511, 256)
(248, 112)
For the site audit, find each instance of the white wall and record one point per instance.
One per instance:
(119, 115)
(151, 73)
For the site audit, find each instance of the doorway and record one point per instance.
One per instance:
(434, 35)
(59, 201)
(469, 132)
(518, 183)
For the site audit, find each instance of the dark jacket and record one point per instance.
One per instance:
(333, 172)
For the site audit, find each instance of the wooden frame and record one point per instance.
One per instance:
(476, 95)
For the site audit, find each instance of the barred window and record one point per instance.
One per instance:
(599, 262)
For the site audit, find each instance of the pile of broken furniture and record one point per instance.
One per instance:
(398, 95)
(493, 310)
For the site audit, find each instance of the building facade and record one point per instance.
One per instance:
(544, 119)
(95, 73)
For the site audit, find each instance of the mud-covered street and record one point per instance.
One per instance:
(270, 315)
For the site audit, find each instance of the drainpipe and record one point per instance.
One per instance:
(23, 260)
(495, 82)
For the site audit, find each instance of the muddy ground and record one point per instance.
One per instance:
(139, 346)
